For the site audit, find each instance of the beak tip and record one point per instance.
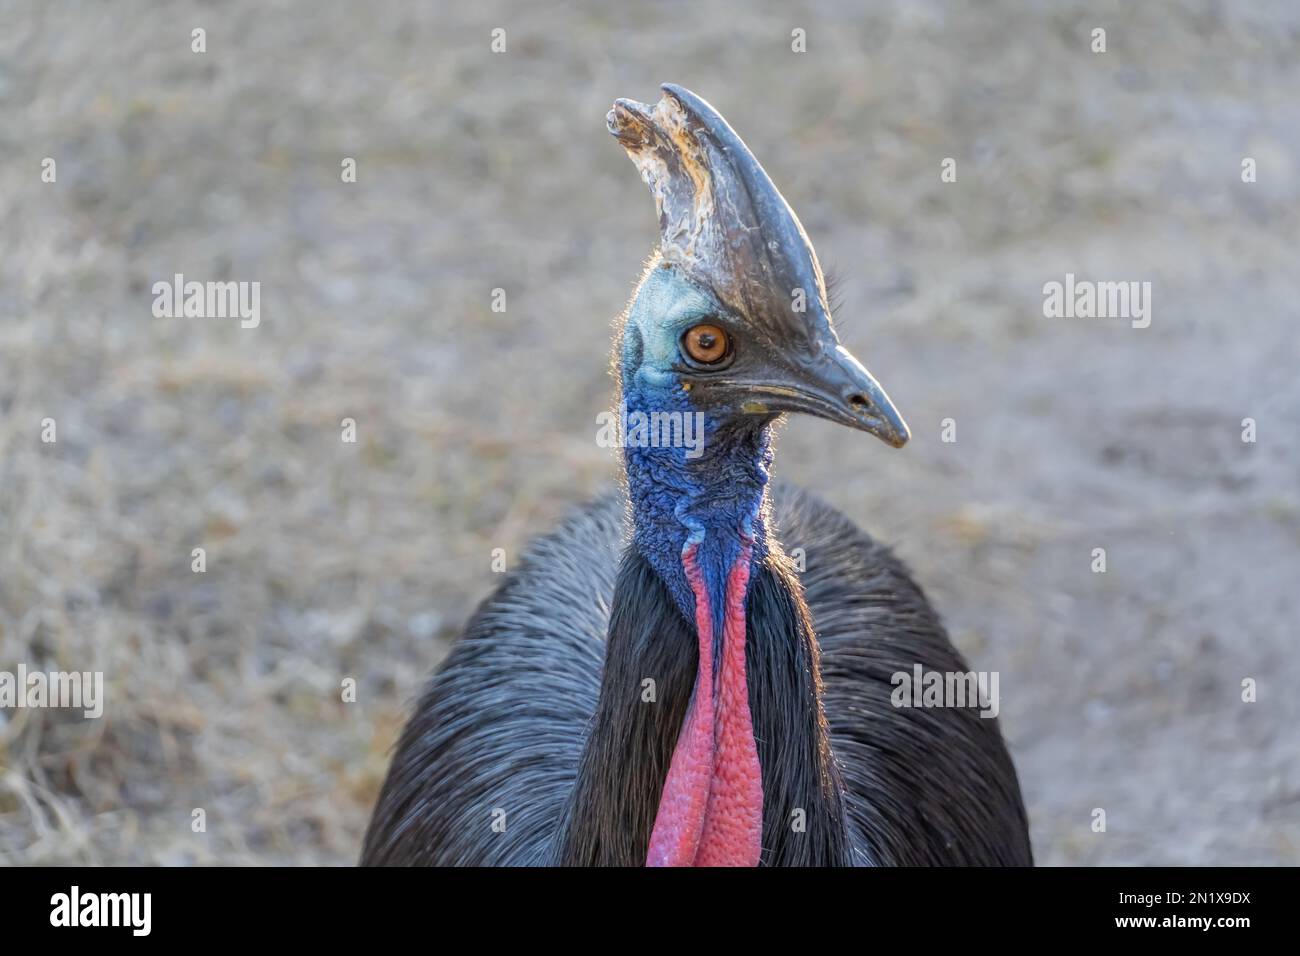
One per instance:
(895, 436)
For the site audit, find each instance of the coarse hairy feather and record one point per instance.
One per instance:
(834, 283)
(504, 730)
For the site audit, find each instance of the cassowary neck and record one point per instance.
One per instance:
(700, 524)
(710, 508)
(709, 745)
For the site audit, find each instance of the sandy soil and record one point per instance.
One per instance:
(476, 429)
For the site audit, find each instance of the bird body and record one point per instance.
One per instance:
(505, 722)
(657, 683)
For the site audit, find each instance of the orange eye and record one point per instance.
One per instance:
(706, 344)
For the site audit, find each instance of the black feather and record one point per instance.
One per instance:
(504, 730)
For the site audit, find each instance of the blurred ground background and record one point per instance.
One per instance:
(476, 429)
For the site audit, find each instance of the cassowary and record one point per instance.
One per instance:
(656, 684)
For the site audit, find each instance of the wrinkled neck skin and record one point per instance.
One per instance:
(709, 508)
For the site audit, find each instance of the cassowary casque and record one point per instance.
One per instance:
(656, 683)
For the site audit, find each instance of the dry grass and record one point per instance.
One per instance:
(328, 560)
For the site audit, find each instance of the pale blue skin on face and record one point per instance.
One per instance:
(666, 305)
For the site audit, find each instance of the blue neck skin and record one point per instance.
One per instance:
(714, 501)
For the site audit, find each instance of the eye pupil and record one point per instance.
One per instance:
(705, 344)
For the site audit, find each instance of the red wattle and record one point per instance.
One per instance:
(733, 823)
(679, 822)
(711, 811)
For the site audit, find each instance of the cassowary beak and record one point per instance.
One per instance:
(858, 399)
(835, 387)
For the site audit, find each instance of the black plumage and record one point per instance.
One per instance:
(505, 722)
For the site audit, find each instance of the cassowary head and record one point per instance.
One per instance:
(734, 312)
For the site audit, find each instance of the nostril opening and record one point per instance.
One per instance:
(859, 402)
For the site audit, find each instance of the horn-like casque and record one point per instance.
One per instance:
(721, 219)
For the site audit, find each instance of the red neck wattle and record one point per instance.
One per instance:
(711, 811)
